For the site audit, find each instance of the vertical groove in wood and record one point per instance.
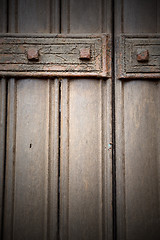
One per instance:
(86, 17)
(3, 108)
(158, 16)
(53, 160)
(2, 142)
(64, 153)
(102, 15)
(101, 188)
(119, 131)
(120, 163)
(146, 16)
(118, 18)
(39, 16)
(105, 225)
(135, 152)
(65, 16)
(46, 184)
(72, 218)
(55, 16)
(33, 16)
(3, 16)
(12, 16)
(10, 160)
(76, 14)
(107, 159)
(106, 9)
(40, 165)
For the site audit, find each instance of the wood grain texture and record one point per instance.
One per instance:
(2, 141)
(140, 16)
(158, 16)
(85, 160)
(137, 131)
(86, 16)
(3, 29)
(32, 136)
(10, 160)
(32, 160)
(86, 165)
(38, 16)
(3, 16)
(142, 160)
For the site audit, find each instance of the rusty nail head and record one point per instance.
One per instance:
(85, 53)
(142, 55)
(32, 54)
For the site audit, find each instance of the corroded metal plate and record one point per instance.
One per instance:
(54, 55)
(139, 56)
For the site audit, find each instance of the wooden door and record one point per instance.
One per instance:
(58, 163)
(79, 150)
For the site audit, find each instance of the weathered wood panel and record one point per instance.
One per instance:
(3, 93)
(139, 17)
(86, 16)
(158, 16)
(86, 168)
(38, 16)
(3, 16)
(141, 141)
(137, 134)
(2, 141)
(32, 153)
(52, 55)
(85, 160)
(32, 136)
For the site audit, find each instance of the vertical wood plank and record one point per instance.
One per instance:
(86, 166)
(3, 29)
(137, 116)
(64, 164)
(12, 16)
(55, 10)
(146, 16)
(2, 141)
(33, 16)
(158, 16)
(86, 16)
(39, 16)
(53, 161)
(3, 16)
(31, 202)
(32, 160)
(85, 160)
(10, 160)
(142, 160)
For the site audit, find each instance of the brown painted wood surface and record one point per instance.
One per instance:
(137, 133)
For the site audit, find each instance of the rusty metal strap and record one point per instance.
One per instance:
(138, 56)
(55, 55)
